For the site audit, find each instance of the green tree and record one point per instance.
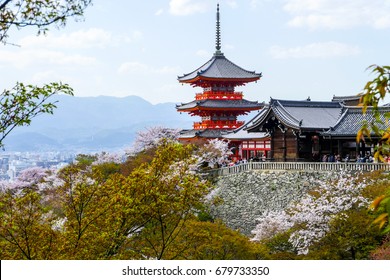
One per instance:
(26, 226)
(176, 192)
(213, 241)
(375, 91)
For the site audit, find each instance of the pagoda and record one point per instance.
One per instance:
(218, 104)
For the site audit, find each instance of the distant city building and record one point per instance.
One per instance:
(11, 164)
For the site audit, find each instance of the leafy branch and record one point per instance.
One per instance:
(22, 103)
(38, 13)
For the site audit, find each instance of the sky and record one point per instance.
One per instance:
(304, 48)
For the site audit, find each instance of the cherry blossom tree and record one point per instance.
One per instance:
(215, 151)
(310, 218)
(151, 138)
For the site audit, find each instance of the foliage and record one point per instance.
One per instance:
(92, 211)
(24, 102)
(176, 191)
(351, 236)
(38, 13)
(383, 251)
(381, 205)
(26, 224)
(375, 91)
(279, 247)
(212, 241)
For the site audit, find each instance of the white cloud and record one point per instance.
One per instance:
(232, 4)
(82, 39)
(315, 50)
(47, 77)
(203, 53)
(159, 12)
(26, 58)
(132, 67)
(138, 67)
(336, 14)
(167, 70)
(187, 7)
(254, 3)
(258, 3)
(135, 36)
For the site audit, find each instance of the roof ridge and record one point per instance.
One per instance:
(343, 114)
(289, 114)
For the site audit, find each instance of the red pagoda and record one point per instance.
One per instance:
(219, 104)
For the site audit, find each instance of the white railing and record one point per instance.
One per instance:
(304, 166)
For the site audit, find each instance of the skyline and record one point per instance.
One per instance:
(316, 48)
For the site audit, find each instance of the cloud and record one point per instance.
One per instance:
(26, 58)
(203, 53)
(258, 3)
(132, 67)
(138, 67)
(159, 12)
(315, 50)
(187, 7)
(232, 4)
(336, 14)
(47, 77)
(82, 39)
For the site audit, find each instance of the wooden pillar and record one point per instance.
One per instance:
(284, 145)
(331, 145)
(340, 147)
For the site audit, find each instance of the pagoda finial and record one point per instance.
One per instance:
(218, 35)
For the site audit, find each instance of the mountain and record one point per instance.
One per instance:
(94, 124)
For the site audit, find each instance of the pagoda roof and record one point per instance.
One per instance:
(220, 104)
(352, 120)
(307, 114)
(219, 68)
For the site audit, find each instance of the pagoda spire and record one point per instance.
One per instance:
(218, 36)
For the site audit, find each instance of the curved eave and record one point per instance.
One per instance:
(200, 108)
(257, 120)
(285, 118)
(199, 79)
(219, 68)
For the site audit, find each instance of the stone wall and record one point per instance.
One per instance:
(245, 196)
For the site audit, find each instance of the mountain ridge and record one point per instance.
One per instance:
(94, 123)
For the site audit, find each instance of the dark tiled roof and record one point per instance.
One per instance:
(206, 133)
(301, 114)
(220, 67)
(352, 120)
(345, 98)
(245, 135)
(220, 104)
